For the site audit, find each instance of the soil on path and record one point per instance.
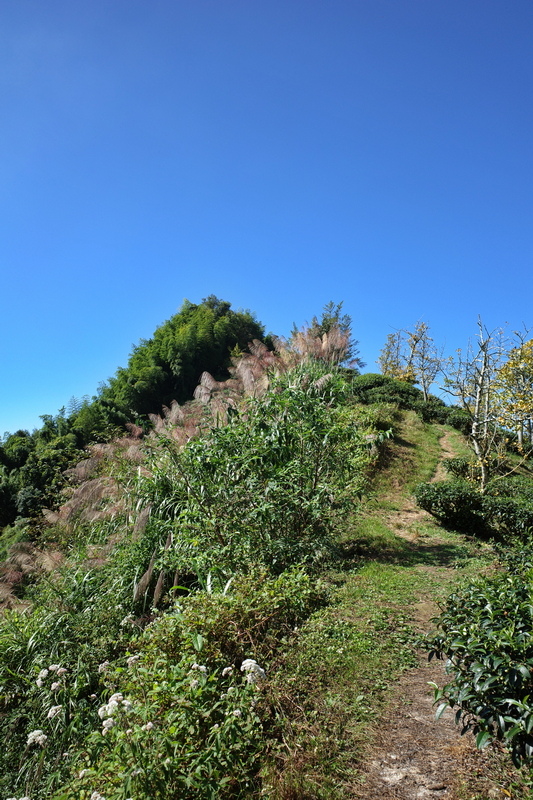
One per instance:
(413, 756)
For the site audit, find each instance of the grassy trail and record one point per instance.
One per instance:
(354, 690)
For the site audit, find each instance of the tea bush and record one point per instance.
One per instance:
(460, 505)
(454, 503)
(485, 633)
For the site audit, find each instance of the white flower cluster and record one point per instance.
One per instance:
(103, 667)
(199, 667)
(17, 798)
(97, 796)
(132, 660)
(54, 711)
(44, 673)
(106, 712)
(227, 671)
(37, 737)
(253, 671)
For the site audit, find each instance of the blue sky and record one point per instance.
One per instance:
(278, 154)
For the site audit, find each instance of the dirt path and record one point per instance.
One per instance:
(412, 755)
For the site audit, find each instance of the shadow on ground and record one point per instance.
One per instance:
(402, 552)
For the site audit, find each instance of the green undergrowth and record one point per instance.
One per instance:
(142, 667)
(286, 611)
(332, 684)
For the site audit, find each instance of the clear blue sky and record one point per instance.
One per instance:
(278, 154)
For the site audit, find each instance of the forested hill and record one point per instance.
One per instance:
(164, 368)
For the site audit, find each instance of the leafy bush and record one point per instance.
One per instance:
(264, 489)
(485, 633)
(461, 506)
(375, 388)
(458, 467)
(508, 515)
(163, 725)
(255, 614)
(454, 503)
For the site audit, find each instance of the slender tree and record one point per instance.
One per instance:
(471, 379)
(412, 356)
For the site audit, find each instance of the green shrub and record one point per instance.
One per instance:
(254, 615)
(485, 633)
(508, 515)
(266, 488)
(454, 503)
(458, 467)
(189, 730)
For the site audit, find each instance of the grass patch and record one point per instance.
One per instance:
(335, 678)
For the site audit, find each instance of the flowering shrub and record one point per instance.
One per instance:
(185, 730)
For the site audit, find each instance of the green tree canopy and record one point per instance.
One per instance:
(168, 366)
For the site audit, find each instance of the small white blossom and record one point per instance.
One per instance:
(253, 671)
(107, 725)
(118, 697)
(237, 712)
(55, 686)
(148, 726)
(53, 667)
(54, 711)
(62, 670)
(39, 683)
(194, 684)
(97, 796)
(227, 671)
(199, 667)
(102, 712)
(103, 666)
(132, 660)
(37, 737)
(127, 706)
(82, 773)
(43, 674)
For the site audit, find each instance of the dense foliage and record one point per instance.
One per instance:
(505, 508)
(102, 695)
(485, 633)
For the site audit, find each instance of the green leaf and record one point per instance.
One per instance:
(482, 739)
